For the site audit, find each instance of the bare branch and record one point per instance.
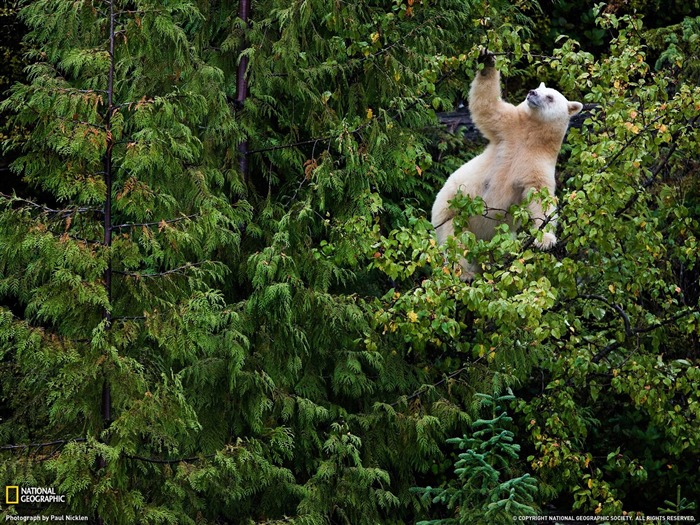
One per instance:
(178, 270)
(66, 212)
(42, 445)
(157, 223)
(617, 308)
(168, 461)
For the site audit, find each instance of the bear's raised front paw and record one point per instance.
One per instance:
(548, 241)
(487, 58)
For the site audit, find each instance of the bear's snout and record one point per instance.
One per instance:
(533, 99)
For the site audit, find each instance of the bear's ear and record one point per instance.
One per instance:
(542, 86)
(575, 108)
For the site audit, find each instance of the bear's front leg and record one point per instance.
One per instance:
(488, 111)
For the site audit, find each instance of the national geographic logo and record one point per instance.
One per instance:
(11, 494)
(15, 495)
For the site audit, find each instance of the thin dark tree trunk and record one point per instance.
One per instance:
(106, 403)
(242, 88)
(108, 182)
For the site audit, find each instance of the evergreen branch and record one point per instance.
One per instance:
(149, 224)
(138, 11)
(66, 212)
(83, 239)
(43, 445)
(451, 375)
(286, 519)
(160, 461)
(82, 122)
(179, 269)
(145, 101)
(289, 145)
(79, 91)
(352, 132)
(83, 440)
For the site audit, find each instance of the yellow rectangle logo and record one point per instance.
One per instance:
(11, 499)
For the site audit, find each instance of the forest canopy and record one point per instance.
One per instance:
(222, 300)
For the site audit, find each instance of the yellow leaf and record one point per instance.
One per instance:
(412, 316)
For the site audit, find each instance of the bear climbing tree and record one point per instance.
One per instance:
(518, 163)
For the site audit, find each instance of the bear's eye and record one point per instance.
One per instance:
(550, 98)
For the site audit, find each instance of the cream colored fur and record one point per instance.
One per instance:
(524, 142)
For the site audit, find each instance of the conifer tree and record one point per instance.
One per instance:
(113, 326)
(340, 116)
(171, 356)
(480, 494)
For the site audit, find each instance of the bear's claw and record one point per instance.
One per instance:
(486, 57)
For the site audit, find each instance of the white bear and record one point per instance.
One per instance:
(524, 142)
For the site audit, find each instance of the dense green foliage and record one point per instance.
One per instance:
(481, 495)
(227, 306)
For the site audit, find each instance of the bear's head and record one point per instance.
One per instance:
(549, 105)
